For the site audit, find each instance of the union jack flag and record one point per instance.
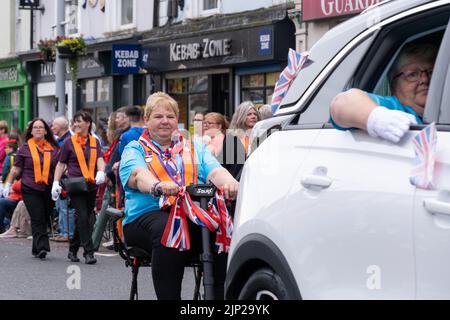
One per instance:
(216, 218)
(218, 208)
(425, 148)
(295, 63)
(176, 232)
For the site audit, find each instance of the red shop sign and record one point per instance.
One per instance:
(320, 9)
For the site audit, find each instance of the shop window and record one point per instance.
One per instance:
(191, 94)
(96, 98)
(177, 86)
(103, 89)
(88, 91)
(258, 88)
(95, 91)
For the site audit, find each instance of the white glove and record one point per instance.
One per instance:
(6, 189)
(56, 190)
(388, 124)
(100, 177)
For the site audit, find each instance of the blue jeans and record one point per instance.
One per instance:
(64, 230)
(6, 211)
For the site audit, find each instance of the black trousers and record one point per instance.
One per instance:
(39, 205)
(84, 205)
(167, 263)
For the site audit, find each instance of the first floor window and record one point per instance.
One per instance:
(126, 16)
(209, 4)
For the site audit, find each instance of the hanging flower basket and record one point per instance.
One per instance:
(72, 49)
(65, 52)
(47, 50)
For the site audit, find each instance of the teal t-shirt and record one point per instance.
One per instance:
(138, 203)
(390, 102)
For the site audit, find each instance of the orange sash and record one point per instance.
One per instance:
(40, 176)
(156, 165)
(245, 141)
(88, 174)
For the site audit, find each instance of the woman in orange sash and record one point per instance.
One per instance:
(82, 156)
(35, 161)
(162, 161)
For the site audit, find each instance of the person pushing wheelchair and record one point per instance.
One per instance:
(154, 172)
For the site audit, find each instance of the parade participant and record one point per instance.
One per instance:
(158, 163)
(82, 156)
(243, 121)
(36, 161)
(390, 117)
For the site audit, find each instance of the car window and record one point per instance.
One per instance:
(318, 109)
(437, 108)
(382, 87)
(366, 68)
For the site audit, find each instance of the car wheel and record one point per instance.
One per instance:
(264, 284)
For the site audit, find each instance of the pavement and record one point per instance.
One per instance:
(25, 277)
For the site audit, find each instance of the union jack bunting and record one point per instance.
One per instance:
(425, 148)
(295, 63)
(218, 208)
(176, 232)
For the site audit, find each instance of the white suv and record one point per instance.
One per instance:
(329, 214)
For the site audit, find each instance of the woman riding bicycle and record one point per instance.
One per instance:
(162, 162)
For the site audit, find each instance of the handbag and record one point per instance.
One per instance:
(74, 185)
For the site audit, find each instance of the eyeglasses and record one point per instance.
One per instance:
(209, 123)
(414, 76)
(38, 128)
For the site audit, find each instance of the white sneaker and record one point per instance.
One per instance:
(108, 244)
(10, 233)
(30, 238)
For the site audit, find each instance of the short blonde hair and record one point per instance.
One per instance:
(160, 98)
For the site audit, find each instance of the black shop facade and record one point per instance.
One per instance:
(216, 71)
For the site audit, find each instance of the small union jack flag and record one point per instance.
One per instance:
(295, 63)
(216, 218)
(176, 233)
(425, 148)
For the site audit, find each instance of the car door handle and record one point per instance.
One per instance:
(312, 180)
(436, 206)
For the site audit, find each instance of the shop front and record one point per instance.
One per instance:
(94, 90)
(317, 17)
(14, 94)
(218, 69)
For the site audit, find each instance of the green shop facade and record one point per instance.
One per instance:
(15, 99)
